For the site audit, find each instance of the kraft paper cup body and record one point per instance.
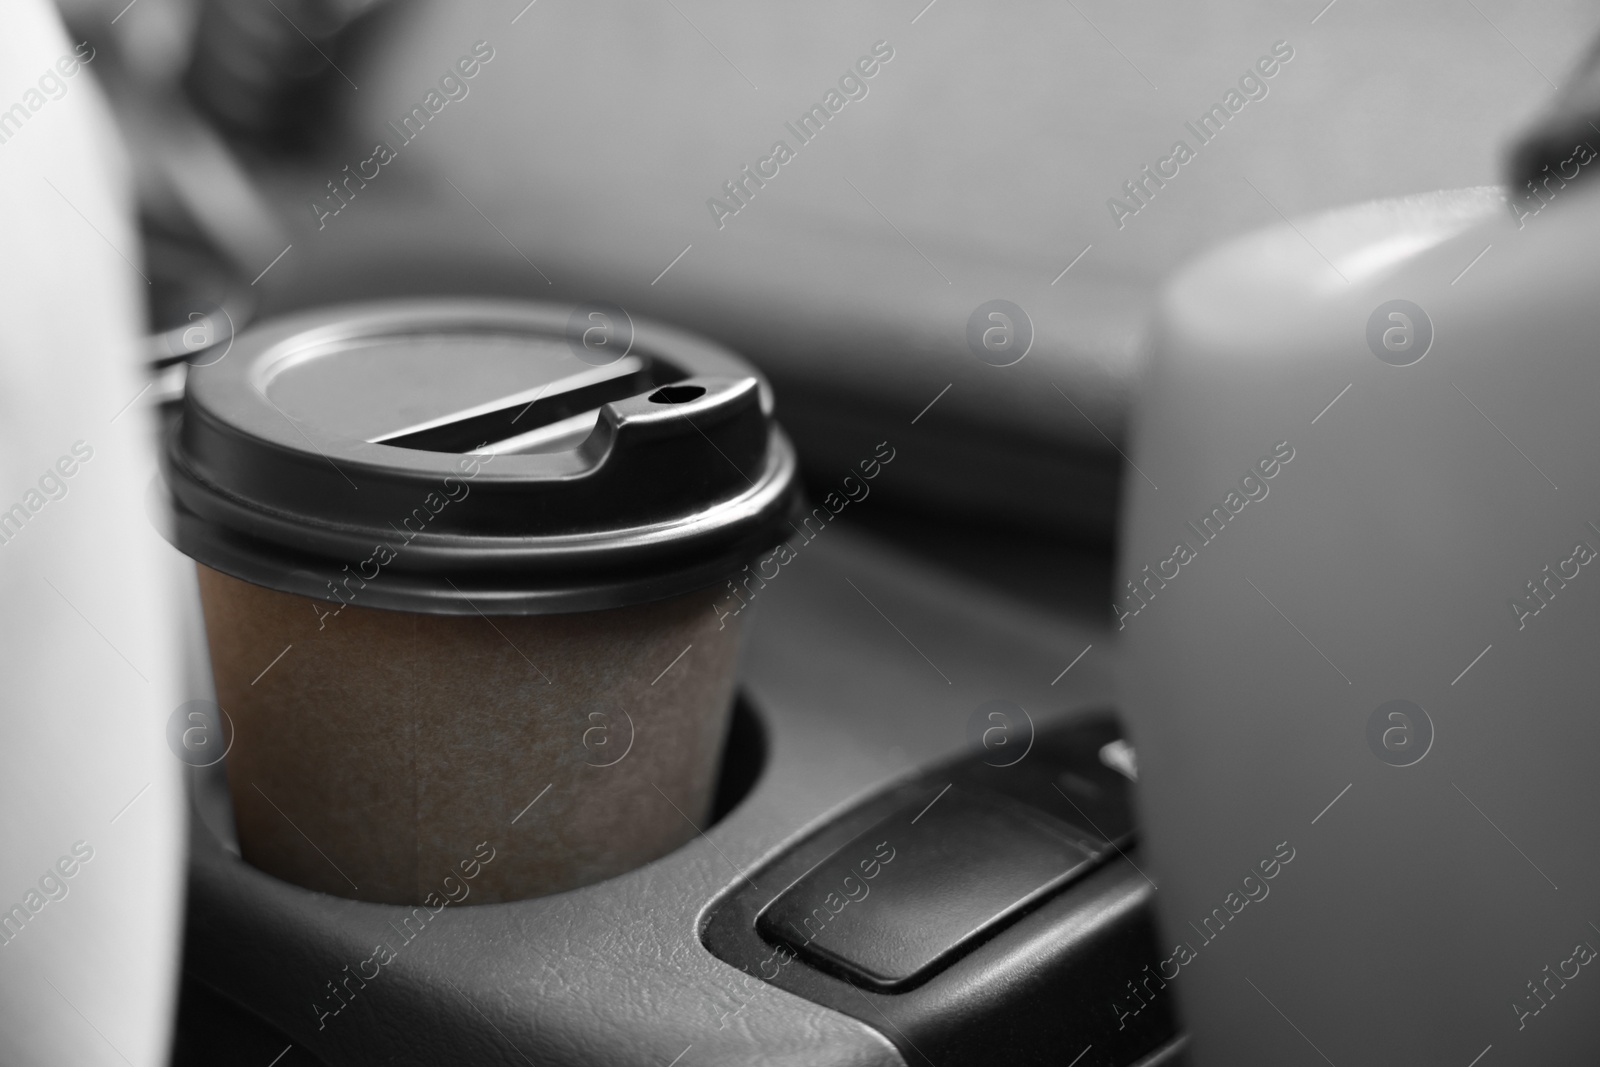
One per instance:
(385, 747)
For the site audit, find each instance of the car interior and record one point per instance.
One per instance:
(942, 235)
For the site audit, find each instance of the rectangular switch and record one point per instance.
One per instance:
(923, 884)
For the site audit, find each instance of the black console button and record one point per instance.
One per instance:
(923, 884)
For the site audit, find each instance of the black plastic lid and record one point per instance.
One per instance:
(451, 456)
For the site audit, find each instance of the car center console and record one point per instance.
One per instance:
(887, 882)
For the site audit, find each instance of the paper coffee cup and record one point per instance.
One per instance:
(460, 562)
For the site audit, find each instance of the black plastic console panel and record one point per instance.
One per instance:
(973, 914)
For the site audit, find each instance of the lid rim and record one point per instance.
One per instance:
(226, 511)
